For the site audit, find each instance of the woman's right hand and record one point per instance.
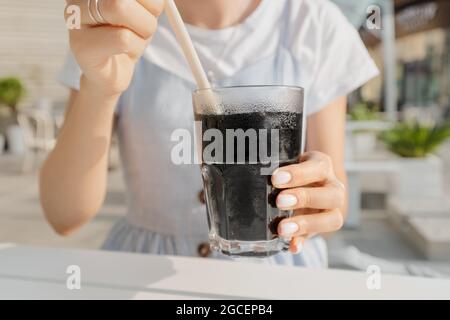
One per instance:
(107, 53)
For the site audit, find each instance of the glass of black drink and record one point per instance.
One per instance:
(245, 133)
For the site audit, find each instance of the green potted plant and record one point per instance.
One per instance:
(364, 139)
(415, 140)
(11, 93)
(420, 172)
(364, 111)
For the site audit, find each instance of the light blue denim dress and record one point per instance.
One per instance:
(164, 214)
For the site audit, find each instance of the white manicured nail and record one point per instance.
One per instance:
(288, 228)
(281, 177)
(299, 245)
(286, 200)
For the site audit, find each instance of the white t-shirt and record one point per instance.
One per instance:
(307, 43)
(329, 49)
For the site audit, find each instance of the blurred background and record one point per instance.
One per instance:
(398, 146)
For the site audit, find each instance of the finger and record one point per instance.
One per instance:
(330, 196)
(104, 42)
(296, 244)
(301, 225)
(130, 14)
(156, 7)
(313, 167)
(86, 18)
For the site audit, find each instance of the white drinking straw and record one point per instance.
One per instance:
(191, 55)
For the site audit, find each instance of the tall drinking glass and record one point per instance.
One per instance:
(248, 133)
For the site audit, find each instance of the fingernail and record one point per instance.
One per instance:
(281, 177)
(299, 246)
(288, 228)
(286, 200)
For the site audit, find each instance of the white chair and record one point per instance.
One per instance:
(38, 127)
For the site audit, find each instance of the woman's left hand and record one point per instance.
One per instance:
(311, 189)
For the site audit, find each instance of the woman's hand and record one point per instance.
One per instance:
(107, 53)
(311, 189)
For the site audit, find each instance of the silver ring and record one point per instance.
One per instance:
(341, 184)
(99, 13)
(91, 16)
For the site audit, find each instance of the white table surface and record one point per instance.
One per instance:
(40, 273)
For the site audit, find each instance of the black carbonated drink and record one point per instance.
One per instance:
(240, 199)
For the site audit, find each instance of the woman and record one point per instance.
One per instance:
(128, 69)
